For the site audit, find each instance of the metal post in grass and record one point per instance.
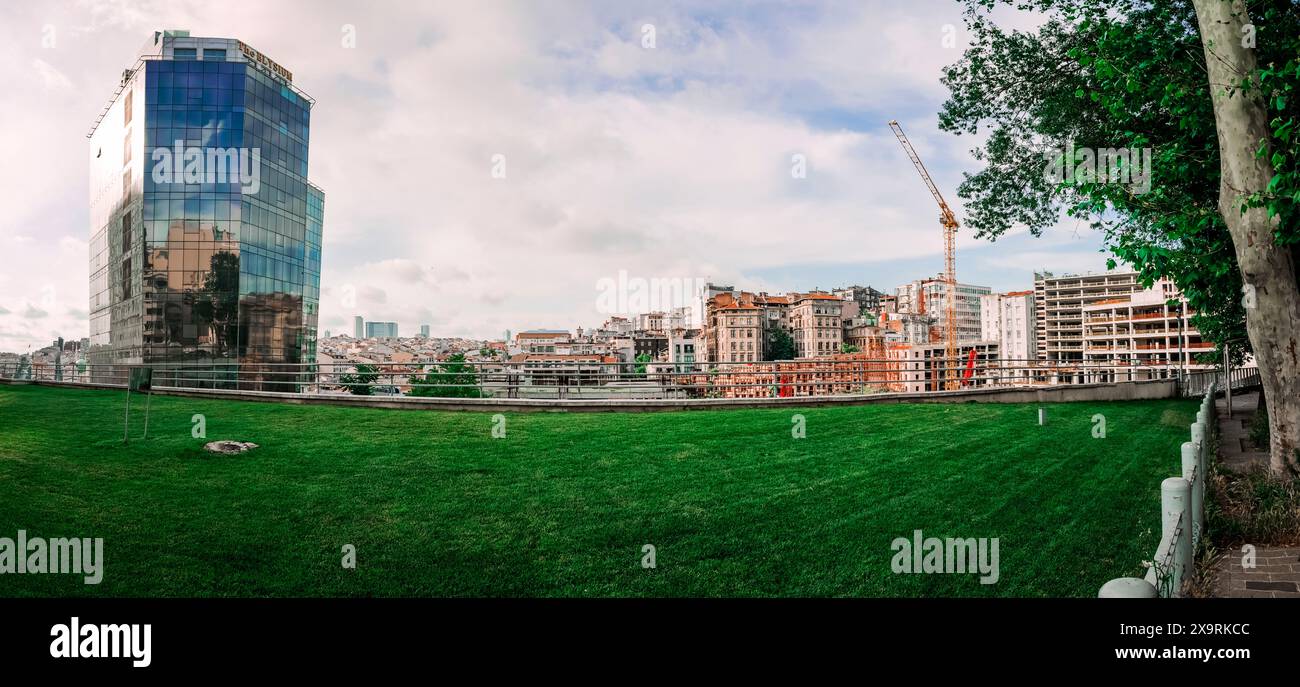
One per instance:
(1191, 456)
(1127, 588)
(1175, 493)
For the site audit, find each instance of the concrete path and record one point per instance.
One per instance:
(1234, 451)
(1276, 573)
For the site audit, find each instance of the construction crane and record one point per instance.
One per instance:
(949, 222)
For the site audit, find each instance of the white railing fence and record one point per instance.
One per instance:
(1182, 517)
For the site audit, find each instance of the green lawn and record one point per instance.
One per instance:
(564, 503)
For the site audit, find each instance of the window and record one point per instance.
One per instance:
(185, 53)
(214, 55)
(126, 108)
(126, 278)
(126, 233)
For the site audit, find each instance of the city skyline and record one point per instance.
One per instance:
(607, 117)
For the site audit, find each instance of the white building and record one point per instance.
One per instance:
(1141, 336)
(1059, 302)
(1009, 319)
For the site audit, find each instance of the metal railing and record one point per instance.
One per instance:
(541, 376)
(1198, 383)
(1182, 517)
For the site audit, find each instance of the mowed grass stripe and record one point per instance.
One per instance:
(562, 505)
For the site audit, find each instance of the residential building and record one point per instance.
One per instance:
(1009, 319)
(1142, 336)
(924, 367)
(679, 317)
(219, 266)
(929, 296)
(652, 345)
(734, 329)
(650, 322)
(815, 324)
(775, 317)
(867, 298)
(681, 345)
(541, 340)
(1059, 303)
(554, 369)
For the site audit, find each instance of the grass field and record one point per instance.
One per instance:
(562, 505)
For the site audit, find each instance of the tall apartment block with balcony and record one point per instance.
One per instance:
(1059, 303)
(1141, 336)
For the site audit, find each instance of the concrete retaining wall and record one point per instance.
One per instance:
(1119, 391)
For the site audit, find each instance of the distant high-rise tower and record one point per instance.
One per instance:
(205, 232)
(381, 330)
(424, 330)
(359, 328)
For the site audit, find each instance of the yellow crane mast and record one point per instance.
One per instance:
(949, 222)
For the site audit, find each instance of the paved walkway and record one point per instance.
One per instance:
(1234, 442)
(1276, 573)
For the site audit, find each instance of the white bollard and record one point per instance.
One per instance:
(1042, 416)
(1127, 588)
(1175, 492)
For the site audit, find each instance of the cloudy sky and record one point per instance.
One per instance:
(672, 161)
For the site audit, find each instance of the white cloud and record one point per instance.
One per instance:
(672, 162)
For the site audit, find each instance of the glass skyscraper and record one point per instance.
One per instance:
(205, 232)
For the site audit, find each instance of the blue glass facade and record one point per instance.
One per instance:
(226, 268)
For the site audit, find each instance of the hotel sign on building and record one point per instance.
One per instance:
(265, 63)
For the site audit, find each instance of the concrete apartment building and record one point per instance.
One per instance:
(1140, 336)
(679, 317)
(867, 298)
(541, 340)
(651, 321)
(815, 323)
(1009, 319)
(1058, 308)
(776, 317)
(923, 367)
(931, 294)
(908, 328)
(682, 343)
(734, 329)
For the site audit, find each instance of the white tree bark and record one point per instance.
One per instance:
(1273, 305)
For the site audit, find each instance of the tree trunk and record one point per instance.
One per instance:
(1267, 269)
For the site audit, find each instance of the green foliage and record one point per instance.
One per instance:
(849, 348)
(451, 379)
(780, 345)
(641, 361)
(1121, 74)
(360, 382)
(1256, 508)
